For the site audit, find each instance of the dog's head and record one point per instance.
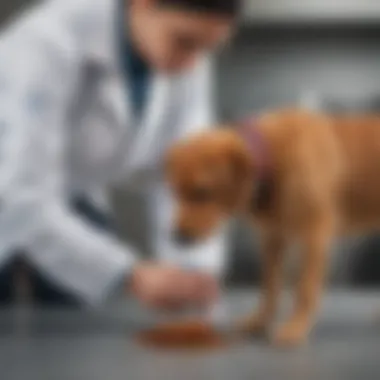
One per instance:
(210, 176)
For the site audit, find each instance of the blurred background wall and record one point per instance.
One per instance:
(318, 53)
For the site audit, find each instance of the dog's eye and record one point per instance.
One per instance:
(200, 195)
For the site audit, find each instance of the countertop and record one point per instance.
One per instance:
(81, 345)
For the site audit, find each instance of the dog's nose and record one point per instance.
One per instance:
(182, 238)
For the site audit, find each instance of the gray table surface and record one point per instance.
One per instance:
(62, 345)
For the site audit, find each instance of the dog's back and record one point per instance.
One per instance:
(344, 150)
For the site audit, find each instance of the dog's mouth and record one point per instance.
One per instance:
(186, 239)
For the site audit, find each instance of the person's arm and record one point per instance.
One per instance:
(211, 255)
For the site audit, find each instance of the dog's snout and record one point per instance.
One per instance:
(182, 238)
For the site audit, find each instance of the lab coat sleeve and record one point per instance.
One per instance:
(36, 86)
(211, 255)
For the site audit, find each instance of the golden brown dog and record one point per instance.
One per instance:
(311, 178)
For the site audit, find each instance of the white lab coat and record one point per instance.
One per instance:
(67, 127)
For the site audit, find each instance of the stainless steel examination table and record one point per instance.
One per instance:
(99, 345)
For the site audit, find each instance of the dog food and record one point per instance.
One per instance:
(185, 335)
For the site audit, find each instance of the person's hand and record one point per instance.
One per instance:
(170, 288)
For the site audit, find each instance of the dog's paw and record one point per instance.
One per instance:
(253, 326)
(290, 335)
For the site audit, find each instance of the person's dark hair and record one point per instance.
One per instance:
(224, 7)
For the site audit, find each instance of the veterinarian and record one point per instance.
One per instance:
(92, 92)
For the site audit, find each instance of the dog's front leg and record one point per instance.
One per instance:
(273, 251)
(315, 244)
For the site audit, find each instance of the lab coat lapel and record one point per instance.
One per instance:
(103, 52)
(139, 137)
(139, 134)
(115, 97)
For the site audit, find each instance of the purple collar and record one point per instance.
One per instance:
(256, 144)
(258, 147)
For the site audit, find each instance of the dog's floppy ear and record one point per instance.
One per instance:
(242, 176)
